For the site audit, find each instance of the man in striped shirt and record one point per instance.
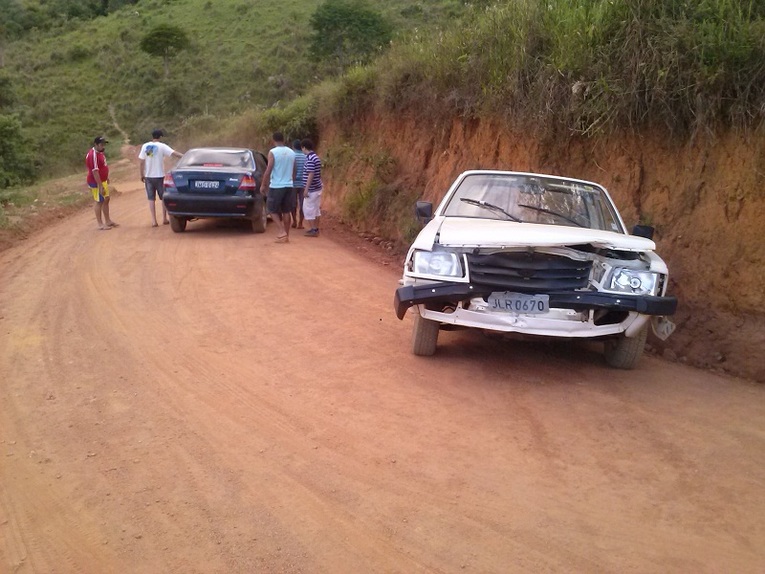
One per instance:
(297, 215)
(312, 188)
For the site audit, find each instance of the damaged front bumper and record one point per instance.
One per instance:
(449, 292)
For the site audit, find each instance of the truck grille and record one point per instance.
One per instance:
(528, 272)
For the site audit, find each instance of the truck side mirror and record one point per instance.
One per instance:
(423, 210)
(643, 231)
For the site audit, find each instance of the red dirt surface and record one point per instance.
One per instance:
(215, 402)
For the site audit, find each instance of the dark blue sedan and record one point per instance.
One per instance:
(219, 182)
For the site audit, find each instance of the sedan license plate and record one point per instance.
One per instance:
(205, 184)
(519, 303)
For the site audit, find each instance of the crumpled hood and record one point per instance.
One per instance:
(472, 232)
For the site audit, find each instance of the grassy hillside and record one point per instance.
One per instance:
(76, 79)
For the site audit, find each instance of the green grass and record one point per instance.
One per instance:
(245, 55)
(589, 66)
(18, 205)
(23, 207)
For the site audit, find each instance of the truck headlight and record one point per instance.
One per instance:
(439, 263)
(634, 281)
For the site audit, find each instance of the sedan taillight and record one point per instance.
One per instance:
(168, 182)
(248, 184)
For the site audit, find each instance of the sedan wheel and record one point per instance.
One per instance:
(260, 221)
(424, 336)
(177, 224)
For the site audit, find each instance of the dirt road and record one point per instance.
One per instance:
(214, 402)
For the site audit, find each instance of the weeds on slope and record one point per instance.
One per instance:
(589, 66)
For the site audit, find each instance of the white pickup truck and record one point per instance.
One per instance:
(534, 254)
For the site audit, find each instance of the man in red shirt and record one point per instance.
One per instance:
(98, 181)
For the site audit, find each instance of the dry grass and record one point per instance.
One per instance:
(27, 209)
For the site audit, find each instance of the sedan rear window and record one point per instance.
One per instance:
(217, 158)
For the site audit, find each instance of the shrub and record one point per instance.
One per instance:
(77, 53)
(16, 158)
(296, 120)
(350, 96)
(347, 32)
(8, 95)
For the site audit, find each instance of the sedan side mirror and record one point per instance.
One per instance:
(643, 231)
(423, 210)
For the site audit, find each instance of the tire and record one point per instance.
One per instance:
(177, 224)
(623, 352)
(260, 221)
(424, 336)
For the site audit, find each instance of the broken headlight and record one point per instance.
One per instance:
(438, 263)
(634, 281)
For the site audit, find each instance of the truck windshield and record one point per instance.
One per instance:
(527, 199)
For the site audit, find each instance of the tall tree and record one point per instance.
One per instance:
(165, 41)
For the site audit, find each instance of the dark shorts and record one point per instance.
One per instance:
(299, 196)
(154, 187)
(281, 200)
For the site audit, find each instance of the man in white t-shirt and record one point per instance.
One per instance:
(152, 157)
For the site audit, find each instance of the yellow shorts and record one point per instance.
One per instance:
(98, 196)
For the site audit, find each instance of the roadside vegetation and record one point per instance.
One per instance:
(560, 69)
(242, 68)
(580, 67)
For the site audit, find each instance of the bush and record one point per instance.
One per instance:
(347, 32)
(16, 158)
(296, 121)
(349, 97)
(77, 53)
(7, 91)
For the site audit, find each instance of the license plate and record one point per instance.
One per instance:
(519, 303)
(201, 184)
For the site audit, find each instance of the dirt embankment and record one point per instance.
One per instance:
(704, 198)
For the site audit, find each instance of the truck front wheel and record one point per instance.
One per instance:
(624, 352)
(424, 336)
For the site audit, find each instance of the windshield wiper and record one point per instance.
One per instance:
(490, 207)
(554, 213)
